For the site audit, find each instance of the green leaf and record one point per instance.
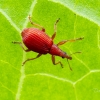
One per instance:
(40, 79)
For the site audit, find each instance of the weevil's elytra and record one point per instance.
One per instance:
(37, 40)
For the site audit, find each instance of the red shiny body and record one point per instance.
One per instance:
(38, 41)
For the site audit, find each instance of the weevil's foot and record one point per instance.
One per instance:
(14, 42)
(78, 52)
(29, 16)
(57, 20)
(70, 68)
(62, 65)
(22, 64)
(80, 38)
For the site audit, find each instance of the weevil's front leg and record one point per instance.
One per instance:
(55, 29)
(55, 63)
(31, 58)
(35, 24)
(64, 41)
(27, 50)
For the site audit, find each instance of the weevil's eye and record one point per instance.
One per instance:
(64, 55)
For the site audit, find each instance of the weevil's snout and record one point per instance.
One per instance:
(68, 57)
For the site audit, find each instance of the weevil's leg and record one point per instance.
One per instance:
(64, 41)
(31, 58)
(27, 50)
(55, 63)
(35, 24)
(55, 29)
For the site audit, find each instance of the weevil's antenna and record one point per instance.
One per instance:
(69, 65)
(75, 53)
(68, 61)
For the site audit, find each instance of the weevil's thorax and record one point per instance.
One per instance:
(55, 50)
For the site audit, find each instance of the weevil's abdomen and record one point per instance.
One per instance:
(36, 40)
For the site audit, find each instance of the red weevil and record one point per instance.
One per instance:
(38, 41)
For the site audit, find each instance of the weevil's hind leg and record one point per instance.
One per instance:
(35, 24)
(55, 63)
(31, 59)
(64, 41)
(27, 50)
(55, 29)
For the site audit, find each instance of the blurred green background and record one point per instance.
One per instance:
(40, 79)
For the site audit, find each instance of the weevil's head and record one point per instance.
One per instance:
(68, 57)
(65, 55)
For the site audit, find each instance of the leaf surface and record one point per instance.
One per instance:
(40, 79)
